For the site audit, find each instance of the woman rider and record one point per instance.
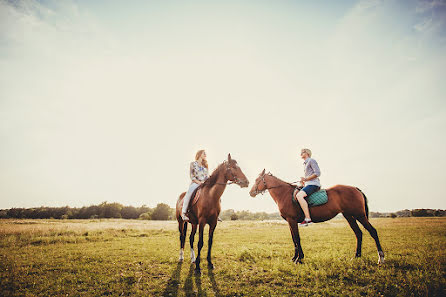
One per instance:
(311, 182)
(199, 172)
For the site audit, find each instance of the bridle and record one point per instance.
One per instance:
(235, 179)
(257, 191)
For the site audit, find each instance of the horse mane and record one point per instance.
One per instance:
(272, 175)
(212, 180)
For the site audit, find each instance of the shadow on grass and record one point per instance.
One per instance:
(174, 282)
(214, 283)
(192, 279)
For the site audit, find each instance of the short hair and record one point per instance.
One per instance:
(308, 151)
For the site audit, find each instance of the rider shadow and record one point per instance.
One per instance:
(174, 282)
(189, 283)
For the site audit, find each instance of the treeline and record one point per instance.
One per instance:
(104, 210)
(233, 215)
(419, 212)
(164, 212)
(116, 210)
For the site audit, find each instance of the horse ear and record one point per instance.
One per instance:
(229, 157)
(263, 172)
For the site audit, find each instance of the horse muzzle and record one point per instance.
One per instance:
(244, 183)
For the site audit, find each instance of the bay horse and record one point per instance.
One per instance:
(349, 201)
(207, 208)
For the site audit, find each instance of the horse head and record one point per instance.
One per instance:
(259, 186)
(234, 173)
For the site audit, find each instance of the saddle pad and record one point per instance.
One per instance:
(317, 198)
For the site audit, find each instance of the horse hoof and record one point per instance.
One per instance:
(380, 257)
(197, 271)
(210, 266)
(192, 261)
(180, 260)
(298, 261)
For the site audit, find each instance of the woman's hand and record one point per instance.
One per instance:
(303, 179)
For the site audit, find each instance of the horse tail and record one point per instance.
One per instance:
(365, 202)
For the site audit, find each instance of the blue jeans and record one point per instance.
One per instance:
(186, 200)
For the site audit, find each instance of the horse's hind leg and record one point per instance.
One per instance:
(183, 230)
(365, 222)
(200, 245)
(352, 221)
(191, 241)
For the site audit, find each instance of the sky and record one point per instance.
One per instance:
(110, 100)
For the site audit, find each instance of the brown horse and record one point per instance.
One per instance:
(349, 201)
(207, 209)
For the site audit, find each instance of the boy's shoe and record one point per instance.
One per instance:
(306, 223)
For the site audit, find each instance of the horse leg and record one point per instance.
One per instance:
(365, 222)
(200, 246)
(211, 236)
(191, 240)
(298, 253)
(354, 225)
(183, 229)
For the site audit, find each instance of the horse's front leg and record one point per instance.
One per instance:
(298, 253)
(211, 236)
(200, 246)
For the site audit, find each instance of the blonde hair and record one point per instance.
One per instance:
(308, 151)
(203, 162)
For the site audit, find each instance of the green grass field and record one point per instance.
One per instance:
(139, 258)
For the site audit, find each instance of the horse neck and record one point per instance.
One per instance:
(219, 187)
(277, 188)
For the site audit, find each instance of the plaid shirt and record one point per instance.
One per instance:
(198, 172)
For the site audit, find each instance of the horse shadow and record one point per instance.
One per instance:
(214, 283)
(192, 280)
(174, 282)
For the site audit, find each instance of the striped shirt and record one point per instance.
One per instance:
(311, 167)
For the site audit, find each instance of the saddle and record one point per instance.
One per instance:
(317, 198)
(194, 198)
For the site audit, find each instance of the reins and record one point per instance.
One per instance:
(257, 191)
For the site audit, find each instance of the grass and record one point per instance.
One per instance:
(139, 258)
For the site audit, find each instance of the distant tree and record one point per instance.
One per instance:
(234, 217)
(3, 214)
(393, 215)
(422, 212)
(145, 216)
(110, 210)
(227, 214)
(161, 212)
(129, 212)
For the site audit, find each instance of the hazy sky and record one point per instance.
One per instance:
(110, 100)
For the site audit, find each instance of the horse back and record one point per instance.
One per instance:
(346, 199)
